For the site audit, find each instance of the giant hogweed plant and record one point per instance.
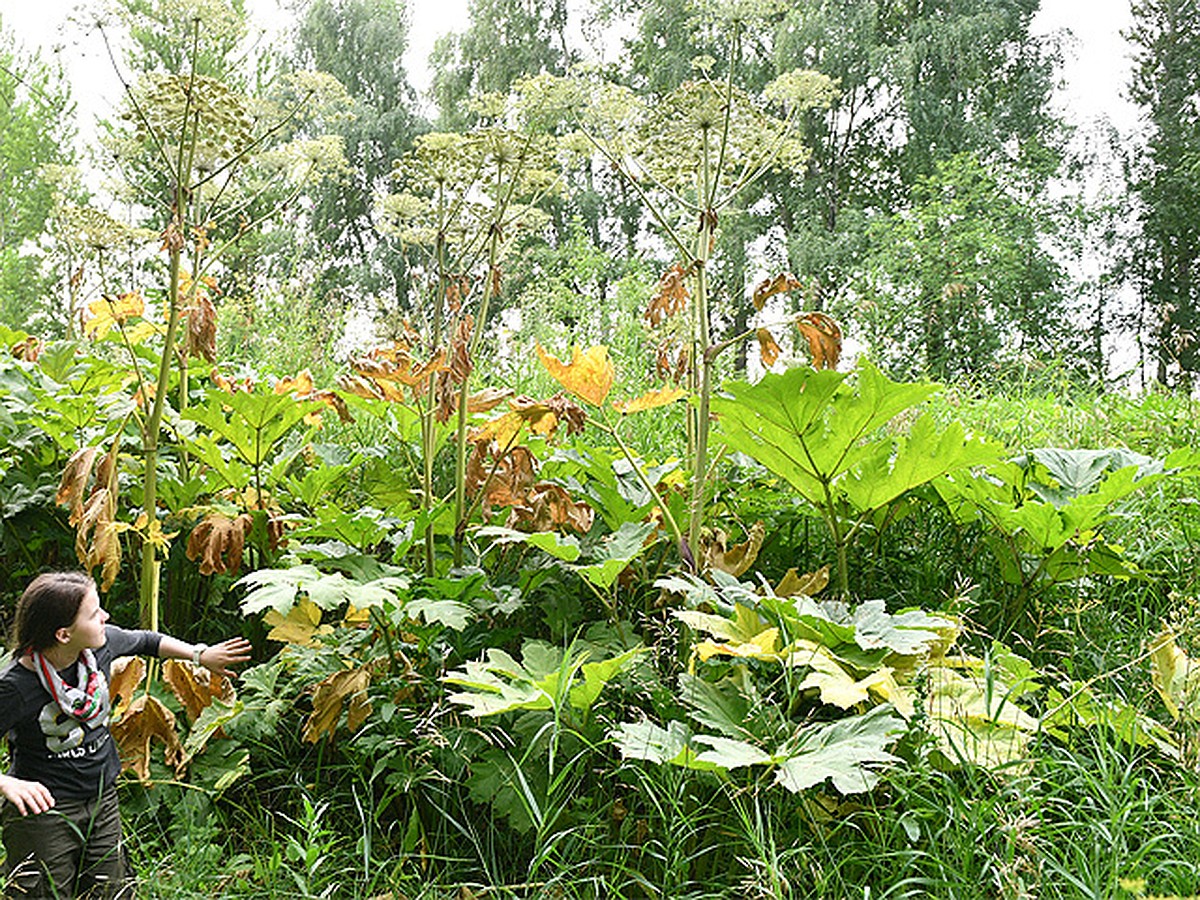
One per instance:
(1044, 514)
(463, 201)
(199, 138)
(803, 691)
(832, 437)
(690, 156)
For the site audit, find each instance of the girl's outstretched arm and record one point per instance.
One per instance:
(217, 658)
(28, 797)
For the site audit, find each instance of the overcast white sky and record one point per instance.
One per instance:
(1096, 71)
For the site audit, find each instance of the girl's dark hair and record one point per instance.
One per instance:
(51, 602)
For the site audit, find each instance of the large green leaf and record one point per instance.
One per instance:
(809, 427)
(1076, 472)
(665, 746)
(923, 455)
(724, 707)
(560, 546)
(547, 677)
(908, 632)
(616, 552)
(277, 589)
(849, 752)
(255, 421)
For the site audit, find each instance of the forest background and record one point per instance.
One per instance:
(754, 459)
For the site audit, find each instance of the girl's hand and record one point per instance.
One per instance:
(219, 657)
(29, 797)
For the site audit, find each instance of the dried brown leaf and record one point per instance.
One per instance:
(196, 687)
(331, 694)
(670, 298)
(145, 721)
(810, 584)
(824, 339)
(769, 287)
(768, 349)
(75, 478)
(733, 560)
(218, 541)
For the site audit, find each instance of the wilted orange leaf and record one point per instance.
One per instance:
(28, 350)
(335, 402)
(505, 481)
(549, 507)
(74, 482)
(824, 339)
(300, 384)
(331, 695)
(671, 297)
(524, 412)
(106, 552)
(218, 541)
(768, 349)
(650, 400)
(737, 559)
(589, 375)
(202, 329)
(769, 287)
(196, 687)
(809, 584)
(147, 720)
(128, 672)
(97, 541)
(458, 287)
(232, 387)
(487, 399)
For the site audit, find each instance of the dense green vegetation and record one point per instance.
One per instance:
(577, 559)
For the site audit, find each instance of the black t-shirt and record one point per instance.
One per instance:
(73, 760)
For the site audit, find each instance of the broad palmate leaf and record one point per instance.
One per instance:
(849, 752)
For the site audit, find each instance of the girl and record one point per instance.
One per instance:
(62, 829)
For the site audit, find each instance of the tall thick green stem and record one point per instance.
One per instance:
(428, 424)
(464, 391)
(148, 596)
(702, 359)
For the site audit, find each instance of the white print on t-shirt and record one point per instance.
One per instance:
(63, 733)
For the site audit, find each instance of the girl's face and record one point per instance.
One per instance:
(88, 628)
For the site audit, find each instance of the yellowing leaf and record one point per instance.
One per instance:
(300, 626)
(331, 695)
(109, 312)
(764, 645)
(977, 721)
(141, 332)
(147, 720)
(1176, 677)
(835, 685)
(128, 672)
(650, 400)
(589, 375)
